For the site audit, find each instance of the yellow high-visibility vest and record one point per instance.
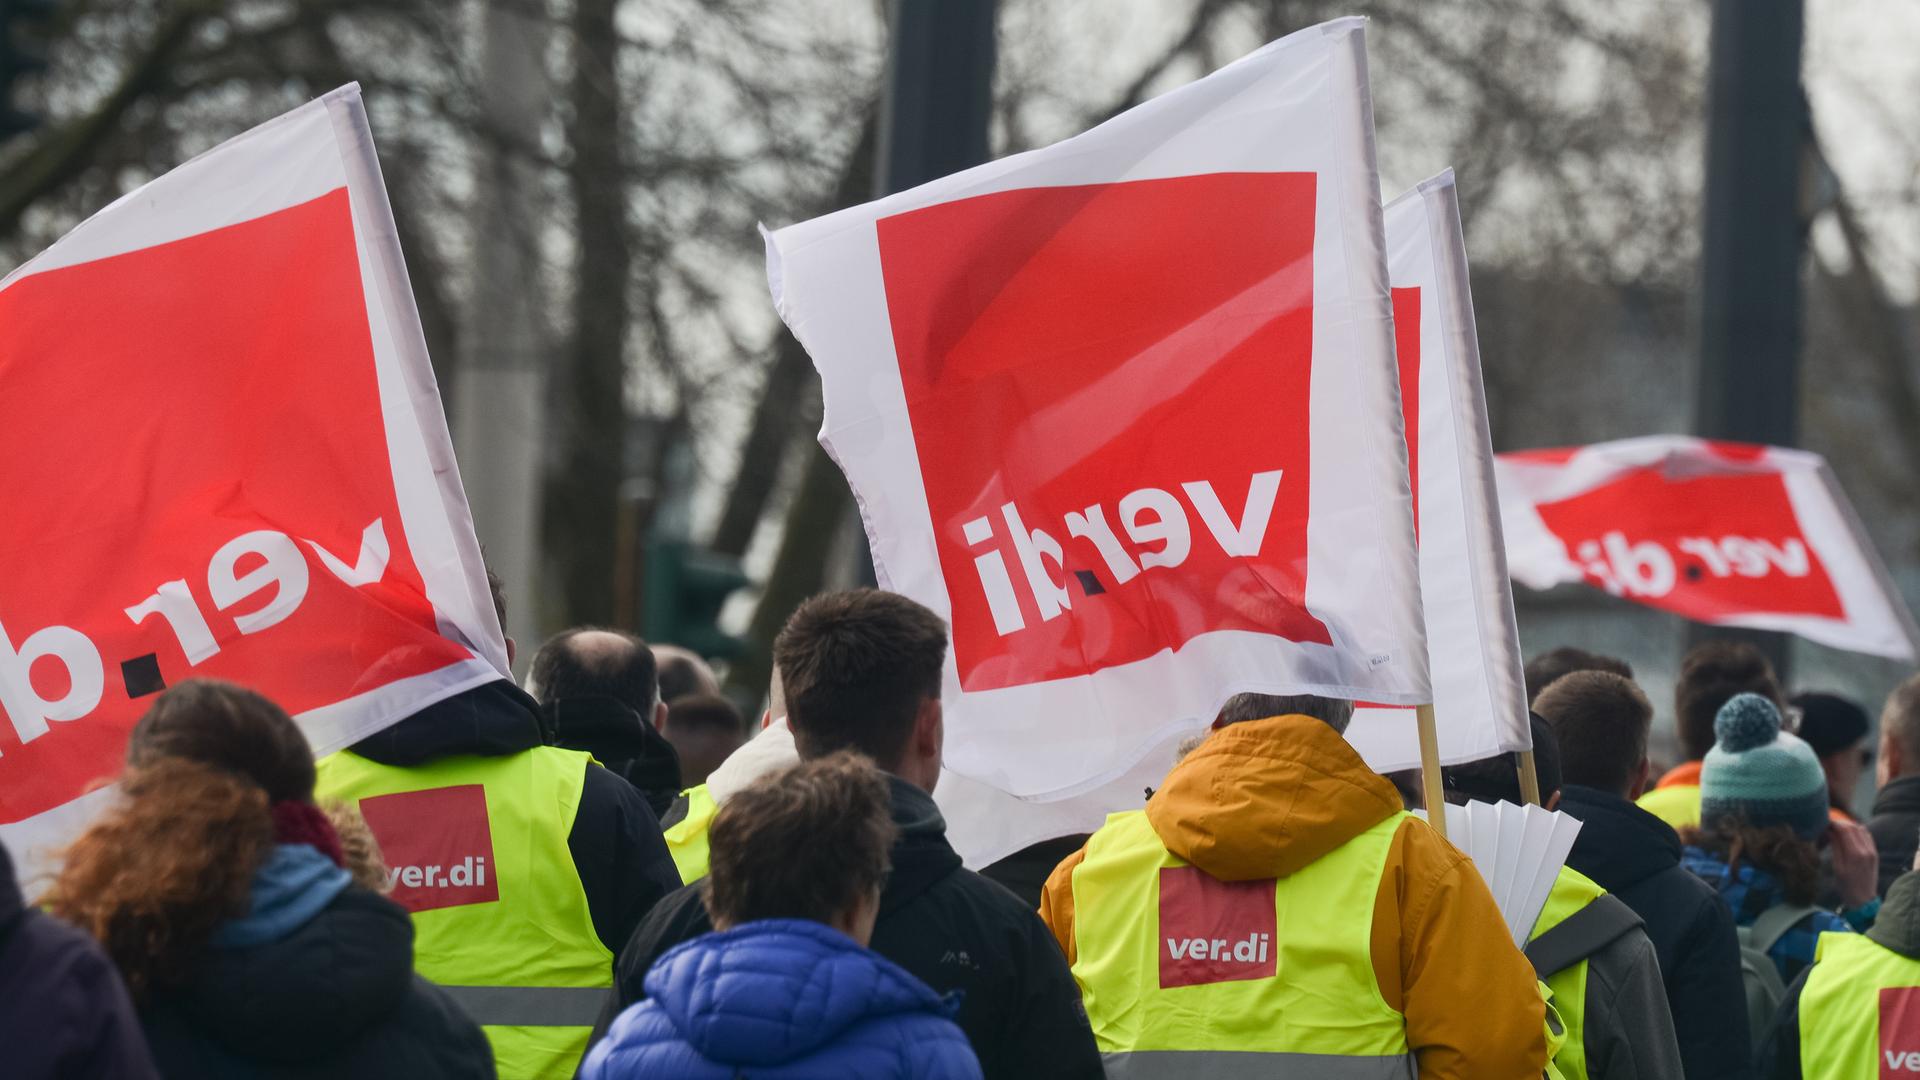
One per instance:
(1572, 891)
(476, 848)
(1187, 976)
(687, 840)
(1677, 804)
(1860, 1010)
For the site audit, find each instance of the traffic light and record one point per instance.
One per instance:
(18, 59)
(685, 587)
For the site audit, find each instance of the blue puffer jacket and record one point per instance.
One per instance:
(782, 999)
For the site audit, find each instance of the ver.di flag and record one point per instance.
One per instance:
(1723, 533)
(224, 457)
(1473, 639)
(1124, 411)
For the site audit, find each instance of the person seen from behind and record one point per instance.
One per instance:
(1710, 674)
(524, 865)
(600, 693)
(64, 1013)
(705, 730)
(861, 670)
(785, 985)
(1601, 722)
(1273, 911)
(1553, 665)
(1895, 823)
(1763, 806)
(1856, 1011)
(1836, 729)
(1589, 948)
(219, 890)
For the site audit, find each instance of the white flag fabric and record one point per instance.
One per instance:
(1473, 638)
(224, 456)
(1123, 410)
(1724, 533)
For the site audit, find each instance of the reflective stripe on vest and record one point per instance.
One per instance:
(1189, 976)
(1860, 1010)
(1571, 892)
(477, 851)
(687, 840)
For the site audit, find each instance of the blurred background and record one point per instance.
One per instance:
(577, 185)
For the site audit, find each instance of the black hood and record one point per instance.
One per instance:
(1900, 796)
(492, 720)
(1898, 925)
(1619, 844)
(921, 854)
(300, 998)
(622, 740)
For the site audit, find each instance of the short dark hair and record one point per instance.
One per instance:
(681, 672)
(805, 842)
(497, 592)
(705, 712)
(856, 667)
(1711, 674)
(1497, 778)
(562, 672)
(1243, 707)
(1601, 721)
(1900, 721)
(1549, 667)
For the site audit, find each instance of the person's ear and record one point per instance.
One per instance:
(1641, 774)
(929, 731)
(660, 717)
(513, 652)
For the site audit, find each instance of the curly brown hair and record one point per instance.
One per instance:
(169, 862)
(806, 842)
(1776, 849)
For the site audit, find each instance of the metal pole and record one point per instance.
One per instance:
(1749, 379)
(937, 111)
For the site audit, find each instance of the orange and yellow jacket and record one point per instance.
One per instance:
(1265, 798)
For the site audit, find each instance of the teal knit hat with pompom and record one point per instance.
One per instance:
(1761, 774)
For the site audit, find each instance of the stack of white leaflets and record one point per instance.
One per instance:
(1518, 850)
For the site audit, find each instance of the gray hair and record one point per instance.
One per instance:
(1243, 707)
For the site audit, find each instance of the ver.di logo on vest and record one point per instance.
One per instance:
(1214, 931)
(438, 846)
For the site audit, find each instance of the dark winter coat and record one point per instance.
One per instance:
(1895, 826)
(953, 930)
(622, 740)
(330, 993)
(1636, 857)
(64, 1014)
(616, 844)
(1025, 872)
(1897, 927)
(780, 1000)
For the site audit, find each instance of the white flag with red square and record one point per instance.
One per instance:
(1124, 411)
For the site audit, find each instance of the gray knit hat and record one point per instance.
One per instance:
(1761, 774)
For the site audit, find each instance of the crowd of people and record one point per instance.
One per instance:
(602, 875)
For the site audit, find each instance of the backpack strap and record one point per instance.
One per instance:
(1580, 935)
(1774, 923)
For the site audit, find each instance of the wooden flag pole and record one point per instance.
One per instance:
(1529, 779)
(1430, 782)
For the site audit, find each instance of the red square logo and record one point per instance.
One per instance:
(438, 846)
(1899, 1033)
(1706, 547)
(1214, 931)
(1108, 389)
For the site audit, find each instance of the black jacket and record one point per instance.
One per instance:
(335, 997)
(1025, 872)
(1636, 857)
(951, 928)
(616, 843)
(1897, 927)
(64, 1014)
(622, 740)
(1895, 826)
